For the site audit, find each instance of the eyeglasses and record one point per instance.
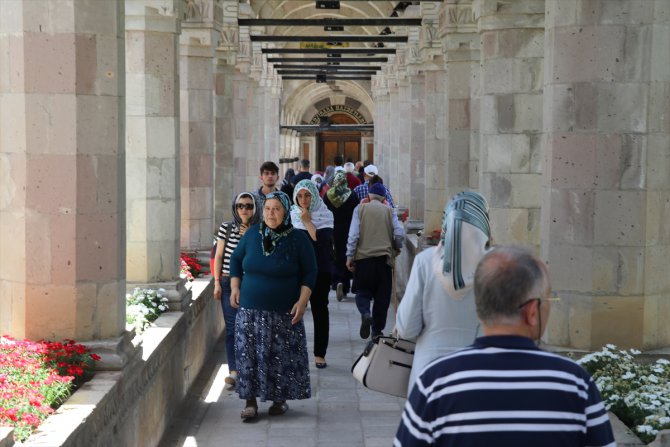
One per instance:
(244, 206)
(539, 300)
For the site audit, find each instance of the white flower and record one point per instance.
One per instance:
(628, 375)
(635, 352)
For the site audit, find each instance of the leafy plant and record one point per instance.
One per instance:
(37, 377)
(143, 306)
(636, 392)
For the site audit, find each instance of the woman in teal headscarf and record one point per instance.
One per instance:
(340, 200)
(272, 275)
(438, 308)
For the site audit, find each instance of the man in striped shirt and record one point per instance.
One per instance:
(503, 390)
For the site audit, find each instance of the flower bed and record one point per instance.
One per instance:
(190, 267)
(143, 306)
(37, 377)
(636, 392)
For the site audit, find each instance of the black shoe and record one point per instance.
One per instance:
(366, 322)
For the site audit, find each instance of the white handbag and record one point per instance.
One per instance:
(385, 365)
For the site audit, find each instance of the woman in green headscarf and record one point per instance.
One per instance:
(341, 201)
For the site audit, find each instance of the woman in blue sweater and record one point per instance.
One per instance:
(311, 215)
(272, 275)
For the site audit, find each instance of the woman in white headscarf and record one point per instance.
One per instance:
(438, 308)
(311, 215)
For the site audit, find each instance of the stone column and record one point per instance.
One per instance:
(511, 116)
(225, 170)
(606, 194)
(381, 116)
(197, 42)
(460, 46)
(152, 148)
(62, 164)
(412, 156)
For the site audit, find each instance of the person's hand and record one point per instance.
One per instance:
(243, 229)
(217, 290)
(350, 265)
(305, 215)
(298, 311)
(235, 298)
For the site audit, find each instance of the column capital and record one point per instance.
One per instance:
(197, 41)
(526, 14)
(208, 12)
(159, 16)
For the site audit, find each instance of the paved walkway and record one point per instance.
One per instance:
(340, 413)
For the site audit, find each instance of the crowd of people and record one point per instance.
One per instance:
(477, 312)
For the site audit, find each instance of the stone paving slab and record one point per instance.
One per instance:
(340, 412)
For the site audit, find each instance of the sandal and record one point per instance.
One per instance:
(249, 414)
(278, 408)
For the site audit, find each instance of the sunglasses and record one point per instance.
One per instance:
(244, 206)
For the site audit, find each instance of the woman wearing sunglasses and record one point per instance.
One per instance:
(245, 214)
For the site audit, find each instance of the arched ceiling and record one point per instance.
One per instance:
(300, 97)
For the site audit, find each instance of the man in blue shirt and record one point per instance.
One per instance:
(503, 390)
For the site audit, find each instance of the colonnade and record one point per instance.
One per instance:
(125, 128)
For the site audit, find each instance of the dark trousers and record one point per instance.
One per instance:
(319, 304)
(229, 315)
(373, 283)
(340, 273)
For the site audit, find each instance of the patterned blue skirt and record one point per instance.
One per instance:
(271, 356)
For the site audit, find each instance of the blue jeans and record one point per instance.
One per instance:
(229, 315)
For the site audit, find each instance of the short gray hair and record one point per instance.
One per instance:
(505, 278)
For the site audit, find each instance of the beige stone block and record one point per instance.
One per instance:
(51, 62)
(656, 269)
(526, 190)
(59, 231)
(656, 329)
(618, 320)
(99, 240)
(51, 124)
(162, 136)
(571, 268)
(12, 123)
(168, 187)
(499, 151)
(622, 107)
(586, 106)
(12, 245)
(570, 321)
(633, 12)
(98, 125)
(6, 304)
(658, 161)
(136, 95)
(12, 188)
(510, 225)
(137, 264)
(51, 183)
(660, 66)
(110, 316)
(11, 16)
(558, 108)
(619, 270)
(617, 218)
(41, 300)
(611, 59)
(109, 77)
(571, 217)
(520, 43)
(574, 54)
(659, 107)
(573, 159)
(657, 217)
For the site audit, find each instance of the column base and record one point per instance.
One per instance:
(115, 353)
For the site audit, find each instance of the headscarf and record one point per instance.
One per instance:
(322, 217)
(328, 175)
(472, 208)
(255, 217)
(340, 191)
(271, 237)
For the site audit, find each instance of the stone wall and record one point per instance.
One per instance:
(133, 407)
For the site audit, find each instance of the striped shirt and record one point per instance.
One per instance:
(230, 246)
(504, 391)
